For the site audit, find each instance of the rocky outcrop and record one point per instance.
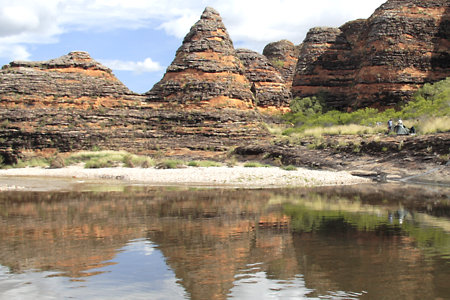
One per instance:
(206, 70)
(268, 86)
(74, 103)
(380, 61)
(319, 69)
(283, 55)
(193, 133)
(74, 79)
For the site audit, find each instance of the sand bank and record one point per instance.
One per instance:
(212, 176)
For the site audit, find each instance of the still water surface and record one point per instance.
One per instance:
(183, 243)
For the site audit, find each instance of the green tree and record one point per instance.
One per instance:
(308, 106)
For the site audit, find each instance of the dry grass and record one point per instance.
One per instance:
(433, 125)
(351, 129)
(275, 129)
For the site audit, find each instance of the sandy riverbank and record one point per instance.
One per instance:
(197, 176)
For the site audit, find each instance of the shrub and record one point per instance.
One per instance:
(170, 164)
(97, 163)
(133, 161)
(307, 106)
(57, 162)
(289, 168)
(278, 63)
(128, 161)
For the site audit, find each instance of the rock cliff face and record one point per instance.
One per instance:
(205, 70)
(283, 55)
(380, 61)
(202, 102)
(268, 86)
(74, 79)
(193, 133)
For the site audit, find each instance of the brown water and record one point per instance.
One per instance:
(373, 242)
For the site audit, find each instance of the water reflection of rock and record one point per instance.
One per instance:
(212, 237)
(340, 263)
(70, 233)
(207, 242)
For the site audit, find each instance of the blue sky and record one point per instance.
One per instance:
(138, 38)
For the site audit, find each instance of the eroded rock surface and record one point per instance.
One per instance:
(380, 61)
(268, 86)
(283, 55)
(206, 69)
(153, 131)
(74, 79)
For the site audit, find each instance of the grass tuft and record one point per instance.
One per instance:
(170, 164)
(32, 162)
(204, 163)
(289, 168)
(108, 159)
(254, 164)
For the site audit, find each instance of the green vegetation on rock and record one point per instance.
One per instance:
(429, 112)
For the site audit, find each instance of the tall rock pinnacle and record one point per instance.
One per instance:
(206, 70)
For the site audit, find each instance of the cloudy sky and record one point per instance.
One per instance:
(138, 38)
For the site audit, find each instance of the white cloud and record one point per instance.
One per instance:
(148, 65)
(254, 23)
(14, 52)
(26, 22)
(27, 16)
(251, 23)
(179, 26)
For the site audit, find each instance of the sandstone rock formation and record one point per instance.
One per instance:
(74, 102)
(74, 79)
(268, 86)
(194, 133)
(205, 70)
(380, 61)
(284, 56)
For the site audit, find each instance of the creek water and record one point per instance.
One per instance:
(361, 242)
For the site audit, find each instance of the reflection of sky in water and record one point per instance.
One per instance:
(258, 286)
(253, 283)
(139, 272)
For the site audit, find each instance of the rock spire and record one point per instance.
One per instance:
(206, 70)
